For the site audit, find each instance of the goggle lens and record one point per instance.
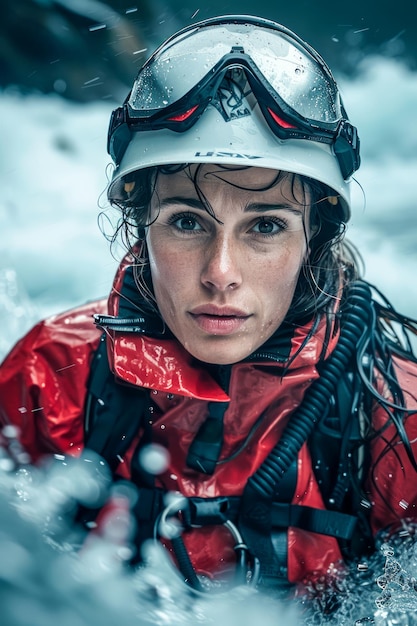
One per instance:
(299, 78)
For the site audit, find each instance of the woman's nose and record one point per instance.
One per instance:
(222, 268)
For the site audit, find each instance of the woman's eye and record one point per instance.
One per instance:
(186, 222)
(268, 227)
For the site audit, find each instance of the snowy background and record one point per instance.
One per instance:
(54, 171)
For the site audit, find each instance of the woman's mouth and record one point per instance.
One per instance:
(215, 320)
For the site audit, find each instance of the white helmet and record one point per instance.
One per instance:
(236, 90)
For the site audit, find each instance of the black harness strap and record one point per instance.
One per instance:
(324, 522)
(114, 412)
(204, 451)
(211, 511)
(196, 512)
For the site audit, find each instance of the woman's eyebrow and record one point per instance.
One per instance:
(192, 203)
(261, 207)
(255, 207)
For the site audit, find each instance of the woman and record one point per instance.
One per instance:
(237, 336)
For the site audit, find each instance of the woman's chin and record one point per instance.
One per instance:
(219, 351)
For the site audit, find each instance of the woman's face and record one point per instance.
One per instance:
(223, 287)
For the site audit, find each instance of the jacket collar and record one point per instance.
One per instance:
(144, 353)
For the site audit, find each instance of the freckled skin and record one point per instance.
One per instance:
(250, 261)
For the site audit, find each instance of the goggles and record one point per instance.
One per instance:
(293, 86)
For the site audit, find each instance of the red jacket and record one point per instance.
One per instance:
(43, 390)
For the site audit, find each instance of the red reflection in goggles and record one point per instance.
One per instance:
(183, 116)
(279, 120)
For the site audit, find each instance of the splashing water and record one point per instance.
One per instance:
(52, 571)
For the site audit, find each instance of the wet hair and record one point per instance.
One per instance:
(331, 263)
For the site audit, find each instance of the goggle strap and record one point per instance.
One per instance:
(346, 148)
(119, 135)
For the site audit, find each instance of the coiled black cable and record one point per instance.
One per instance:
(354, 323)
(184, 563)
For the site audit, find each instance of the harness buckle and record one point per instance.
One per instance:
(182, 514)
(208, 511)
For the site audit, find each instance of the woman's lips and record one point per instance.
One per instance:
(219, 320)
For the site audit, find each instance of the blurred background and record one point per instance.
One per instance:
(64, 64)
(59, 45)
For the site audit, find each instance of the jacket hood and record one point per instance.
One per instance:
(144, 352)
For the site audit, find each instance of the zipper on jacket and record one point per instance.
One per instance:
(135, 325)
(265, 356)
